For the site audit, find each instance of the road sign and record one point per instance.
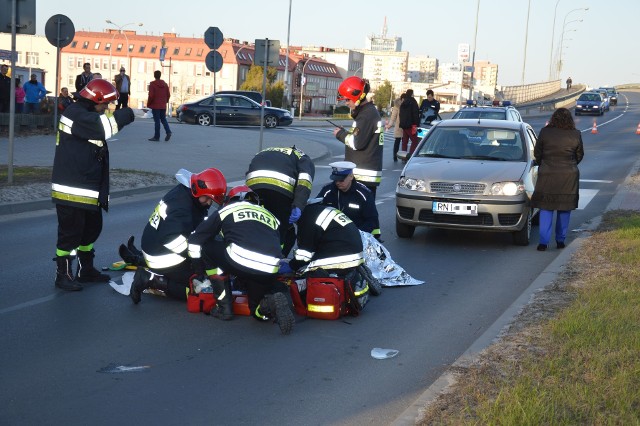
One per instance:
(59, 30)
(213, 61)
(25, 16)
(273, 53)
(213, 37)
(6, 55)
(163, 52)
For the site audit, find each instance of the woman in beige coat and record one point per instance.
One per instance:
(394, 121)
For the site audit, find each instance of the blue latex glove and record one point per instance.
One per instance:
(295, 215)
(284, 267)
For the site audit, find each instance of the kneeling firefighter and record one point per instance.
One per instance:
(242, 239)
(164, 239)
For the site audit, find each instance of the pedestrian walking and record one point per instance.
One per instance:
(394, 121)
(409, 121)
(569, 83)
(159, 95)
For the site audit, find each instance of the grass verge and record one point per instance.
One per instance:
(573, 356)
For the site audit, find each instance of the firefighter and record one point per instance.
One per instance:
(364, 141)
(351, 197)
(242, 239)
(282, 178)
(164, 240)
(80, 180)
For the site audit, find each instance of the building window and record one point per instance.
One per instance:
(176, 50)
(188, 52)
(199, 52)
(79, 63)
(71, 80)
(74, 44)
(85, 44)
(96, 65)
(130, 48)
(72, 61)
(198, 91)
(119, 47)
(141, 50)
(107, 46)
(153, 49)
(32, 58)
(96, 46)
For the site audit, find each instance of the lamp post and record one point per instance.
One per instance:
(285, 97)
(473, 56)
(302, 89)
(564, 23)
(561, 52)
(120, 27)
(553, 30)
(564, 30)
(526, 36)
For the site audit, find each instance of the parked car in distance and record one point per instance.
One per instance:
(613, 94)
(605, 98)
(495, 111)
(470, 175)
(232, 110)
(590, 103)
(251, 94)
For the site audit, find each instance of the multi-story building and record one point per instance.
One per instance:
(382, 43)
(34, 55)
(422, 69)
(348, 61)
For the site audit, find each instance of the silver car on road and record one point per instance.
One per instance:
(474, 174)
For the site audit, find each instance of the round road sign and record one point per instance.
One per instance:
(59, 30)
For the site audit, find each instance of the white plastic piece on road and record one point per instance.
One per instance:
(379, 353)
(125, 287)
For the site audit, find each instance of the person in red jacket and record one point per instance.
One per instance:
(159, 95)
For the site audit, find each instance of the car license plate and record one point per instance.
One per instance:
(455, 208)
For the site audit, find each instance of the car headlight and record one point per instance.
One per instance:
(596, 106)
(579, 106)
(507, 188)
(287, 114)
(412, 184)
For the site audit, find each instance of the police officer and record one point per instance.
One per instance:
(242, 239)
(282, 178)
(80, 179)
(351, 197)
(164, 240)
(364, 141)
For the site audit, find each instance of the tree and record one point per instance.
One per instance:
(274, 90)
(383, 95)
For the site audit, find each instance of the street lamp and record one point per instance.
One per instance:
(564, 22)
(302, 89)
(526, 36)
(285, 95)
(473, 57)
(553, 30)
(562, 41)
(120, 27)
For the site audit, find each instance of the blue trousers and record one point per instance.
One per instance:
(160, 116)
(562, 224)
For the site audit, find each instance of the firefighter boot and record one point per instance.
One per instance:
(224, 298)
(144, 279)
(86, 272)
(64, 274)
(277, 306)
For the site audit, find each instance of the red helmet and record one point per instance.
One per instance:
(354, 89)
(209, 183)
(99, 91)
(242, 193)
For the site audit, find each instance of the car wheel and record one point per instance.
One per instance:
(204, 120)
(523, 236)
(270, 121)
(403, 230)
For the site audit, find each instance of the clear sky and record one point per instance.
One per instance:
(602, 49)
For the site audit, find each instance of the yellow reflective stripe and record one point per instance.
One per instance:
(194, 251)
(361, 292)
(64, 128)
(375, 231)
(303, 255)
(75, 198)
(365, 175)
(271, 174)
(270, 181)
(324, 219)
(66, 121)
(337, 262)
(96, 142)
(162, 261)
(74, 190)
(320, 308)
(214, 271)
(349, 140)
(178, 245)
(252, 259)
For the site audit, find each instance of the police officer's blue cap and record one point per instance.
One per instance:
(341, 169)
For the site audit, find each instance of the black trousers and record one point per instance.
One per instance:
(280, 206)
(77, 227)
(214, 253)
(123, 101)
(177, 279)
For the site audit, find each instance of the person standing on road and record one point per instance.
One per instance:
(159, 95)
(84, 78)
(167, 266)
(364, 141)
(409, 121)
(34, 94)
(20, 95)
(123, 85)
(394, 121)
(80, 180)
(558, 152)
(5, 89)
(569, 83)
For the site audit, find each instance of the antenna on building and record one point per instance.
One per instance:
(384, 28)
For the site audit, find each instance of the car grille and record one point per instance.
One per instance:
(406, 212)
(465, 188)
(508, 219)
(483, 219)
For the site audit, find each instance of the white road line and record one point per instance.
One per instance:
(586, 195)
(596, 181)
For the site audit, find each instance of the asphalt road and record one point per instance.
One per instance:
(60, 349)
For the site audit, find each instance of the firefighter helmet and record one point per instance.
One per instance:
(242, 193)
(99, 91)
(209, 183)
(354, 89)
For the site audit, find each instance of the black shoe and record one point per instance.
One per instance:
(140, 284)
(560, 245)
(277, 306)
(541, 247)
(64, 283)
(166, 138)
(154, 139)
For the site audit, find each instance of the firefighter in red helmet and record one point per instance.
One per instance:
(80, 180)
(165, 264)
(364, 141)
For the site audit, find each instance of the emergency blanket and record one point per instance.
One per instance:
(383, 268)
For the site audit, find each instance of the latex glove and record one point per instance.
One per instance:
(295, 215)
(284, 267)
(200, 282)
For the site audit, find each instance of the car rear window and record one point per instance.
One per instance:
(474, 143)
(493, 115)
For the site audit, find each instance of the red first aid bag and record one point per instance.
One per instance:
(326, 298)
(199, 302)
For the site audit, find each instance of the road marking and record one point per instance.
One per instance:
(28, 304)
(586, 195)
(596, 181)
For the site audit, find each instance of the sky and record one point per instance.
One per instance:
(599, 48)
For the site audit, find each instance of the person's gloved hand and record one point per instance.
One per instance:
(295, 215)
(284, 267)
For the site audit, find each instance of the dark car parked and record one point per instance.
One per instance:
(232, 110)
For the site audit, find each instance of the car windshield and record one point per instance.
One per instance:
(594, 97)
(493, 115)
(475, 143)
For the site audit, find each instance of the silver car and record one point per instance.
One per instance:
(470, 174)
